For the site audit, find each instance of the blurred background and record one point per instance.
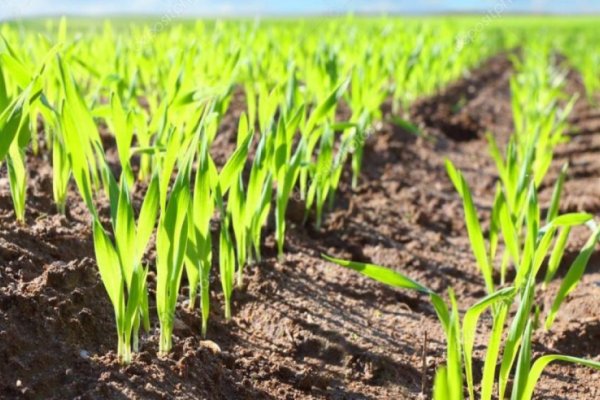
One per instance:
(15, 9)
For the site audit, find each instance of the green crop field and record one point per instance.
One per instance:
(191, 160)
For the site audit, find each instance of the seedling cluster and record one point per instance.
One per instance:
(313, 92)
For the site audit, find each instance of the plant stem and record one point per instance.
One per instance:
(257, 255)
(192, 303)
(136, 333)
(124, 350)
(227, 309)
(240, 277)
(166, 340)
(204, 326)
(205, 300)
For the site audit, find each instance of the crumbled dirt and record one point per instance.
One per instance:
(303, 328)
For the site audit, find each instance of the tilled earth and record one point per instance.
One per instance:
(304, 328)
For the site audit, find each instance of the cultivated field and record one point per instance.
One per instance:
(335, 208)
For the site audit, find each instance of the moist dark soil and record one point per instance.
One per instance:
(304, 328)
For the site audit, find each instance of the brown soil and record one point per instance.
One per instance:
(303, 328)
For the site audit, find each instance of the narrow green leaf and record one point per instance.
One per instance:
(557, 254)
(147, 218)
(380, 274)
(108, 265)
(470, 321)
(556, 193)
(440, 386)
(541, 363)
(573, 276)
(523, 364)
(235, 164)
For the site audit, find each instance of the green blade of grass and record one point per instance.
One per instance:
(470, 321)
(541, 363)
(573, 276)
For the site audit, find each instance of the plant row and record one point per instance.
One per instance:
(520, 253)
